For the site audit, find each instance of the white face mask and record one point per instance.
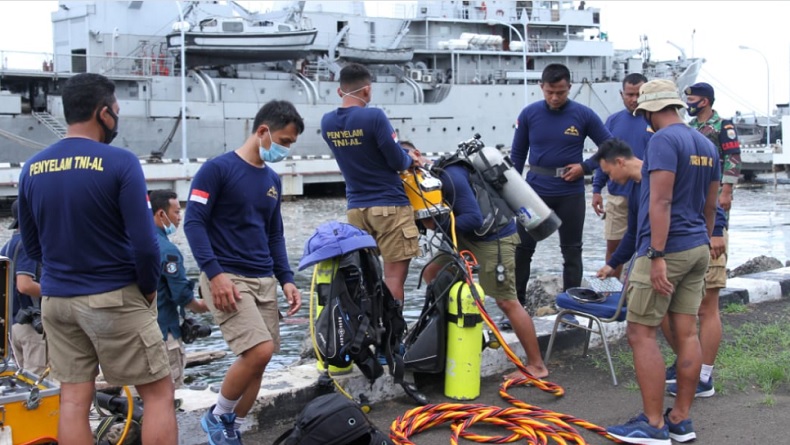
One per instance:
(351, 93)
(170, 228)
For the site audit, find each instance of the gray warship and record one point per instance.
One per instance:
(444, 70)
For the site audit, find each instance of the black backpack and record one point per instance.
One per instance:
(360, 318)
(425, 342)
(332, 419)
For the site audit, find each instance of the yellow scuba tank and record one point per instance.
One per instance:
(464, 343)
(325, 272)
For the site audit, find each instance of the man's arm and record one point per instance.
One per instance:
(731, 162)
(598, 132)
(627, 246)
(397, 158)
(202, 197)
(519, 149)
(206, 187)
(26, 274)
(136, 215)
(465, 209)
(182, 290)
(599, 182)
(276, 235)
(710, 206)
(27, 225)
(661, 190)
(25, 284)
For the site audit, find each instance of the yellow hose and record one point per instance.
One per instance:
(129, 412)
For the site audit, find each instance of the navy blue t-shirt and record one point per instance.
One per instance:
(458, 192)
(625, 250)
(695, 162)
(84, 214)
(635, 131)
(367, 151)
(233, 221)
(552, 139)
(23, 265)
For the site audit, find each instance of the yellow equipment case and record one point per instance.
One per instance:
(29, 404)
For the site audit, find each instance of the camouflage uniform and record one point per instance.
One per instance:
(723, 135)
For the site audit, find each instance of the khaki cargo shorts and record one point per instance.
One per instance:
(488, 257)
(30, 349)
(176, 354)
(392, 227)
(685, 270)
(616, 221)
(716, 277)
(116, 329)
(257, 318)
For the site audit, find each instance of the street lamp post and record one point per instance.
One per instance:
(768, 98)
(492, 22)
(182, 28)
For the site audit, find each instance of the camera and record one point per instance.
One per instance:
(192, 329)
(30, 315)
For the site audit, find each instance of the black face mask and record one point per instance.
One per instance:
(109, 133)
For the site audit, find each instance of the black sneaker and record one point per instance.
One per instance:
(682, 431)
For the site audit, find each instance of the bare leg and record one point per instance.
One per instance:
(160, 425)
(666, 329)
(611, 246)
(395, 276)
(243, 379)
(75, 403)
(710, 326)
(649, 367)
(525, 331)
(689, 362)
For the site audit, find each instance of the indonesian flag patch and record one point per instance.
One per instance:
(199, 196)
(148, 201)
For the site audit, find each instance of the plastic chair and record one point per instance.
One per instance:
(610, 310)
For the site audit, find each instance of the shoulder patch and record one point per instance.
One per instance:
(272, 193)
(171, 268)
(172, 257)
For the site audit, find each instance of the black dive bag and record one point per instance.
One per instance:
(333, 419)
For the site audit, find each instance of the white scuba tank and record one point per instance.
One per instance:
(531, 212)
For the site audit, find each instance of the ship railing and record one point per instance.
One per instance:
(536, 45)
(25, 61)
(107, 64)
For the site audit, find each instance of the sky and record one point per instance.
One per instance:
(705, 29)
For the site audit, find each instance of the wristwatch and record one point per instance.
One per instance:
(653, 253)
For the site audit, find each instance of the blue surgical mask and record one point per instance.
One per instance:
(693, 107)
(275, 153)
(170, 228)
(351, 93)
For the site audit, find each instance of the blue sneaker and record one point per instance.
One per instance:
(682, 431)
(220, 429)
(637, 430)
(704, 389)
(672, 373)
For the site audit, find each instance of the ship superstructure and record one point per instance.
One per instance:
(443, 70)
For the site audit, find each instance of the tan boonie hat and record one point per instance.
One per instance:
(657, 95)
